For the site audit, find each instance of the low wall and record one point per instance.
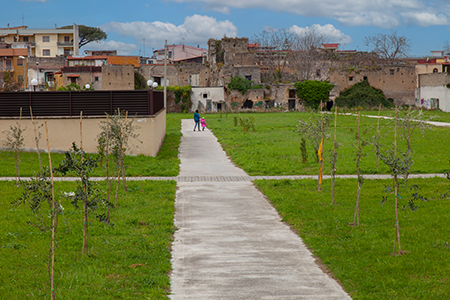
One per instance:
(63, 131)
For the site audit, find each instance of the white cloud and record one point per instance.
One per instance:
(121, 47)
(195, 30)
(425, 19)
(329, 32)
(380, 13)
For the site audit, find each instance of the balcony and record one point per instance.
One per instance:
(20, 45)
(65, 44)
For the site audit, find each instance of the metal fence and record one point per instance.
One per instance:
(71, 103)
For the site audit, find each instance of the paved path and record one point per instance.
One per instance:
(194, 178)
(230, 242)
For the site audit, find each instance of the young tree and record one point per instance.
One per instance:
(360, 144)
(313, 130)
(411, 120)
(15, 141)
(37, 192)
(388, 46)
(120, 131)
(88, 192)
(398, 164)
(333, 158)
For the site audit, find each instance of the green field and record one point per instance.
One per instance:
(274, 147)
(361, 258)
(130, 260)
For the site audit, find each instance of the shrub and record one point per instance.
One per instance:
(363, 95)
(313, 91)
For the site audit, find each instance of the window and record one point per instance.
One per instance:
(318, 72)
(435, 70)
(2, 38)
(66, 38)
(365, 78)
(66, 52)
(350, 78)
(45, 38)
(96, 79)
(8, 64)
(19, 62)
(248, 77)
(73, 80)
(391, 72)
(25, 39)
(291, 93)
(45, 52)
(205, 96)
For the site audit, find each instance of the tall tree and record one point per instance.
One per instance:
(88, 34)
(273, 49)
(388, 46)
(308, 60)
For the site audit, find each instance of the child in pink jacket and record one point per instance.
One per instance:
(203, 122)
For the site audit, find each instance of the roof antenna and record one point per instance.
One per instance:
(22, 20)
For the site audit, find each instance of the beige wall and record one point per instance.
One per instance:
(63, 131)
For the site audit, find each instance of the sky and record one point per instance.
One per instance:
(140, 26)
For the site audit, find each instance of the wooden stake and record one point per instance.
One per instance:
(122, 154)
(85, 215)
(18, 150)
(397, 226)
(54, 217)
(378, 131)
(358, 170)
(321, 150)
(333, 171)
(36, 139)
(118, 171)
(107, 166)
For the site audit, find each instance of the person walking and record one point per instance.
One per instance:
(203, 122)
(197, 120)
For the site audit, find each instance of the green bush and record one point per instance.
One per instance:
(313, 91)
(364, 95)
(242, 84)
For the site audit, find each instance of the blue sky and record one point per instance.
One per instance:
(426, 23)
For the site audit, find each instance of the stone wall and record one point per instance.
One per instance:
(117, 77)
(396, 82)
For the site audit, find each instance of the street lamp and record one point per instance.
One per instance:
(87, 86)
(34, 83)
(24, 77)
(152, 84)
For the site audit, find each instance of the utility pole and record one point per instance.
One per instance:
(165, 74)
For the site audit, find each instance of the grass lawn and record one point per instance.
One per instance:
(361, 257)
(131, 260)
(274, 148)
(166, 163)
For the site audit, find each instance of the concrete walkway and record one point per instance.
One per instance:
(230, 242)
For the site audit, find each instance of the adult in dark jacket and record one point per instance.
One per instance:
(197, 120)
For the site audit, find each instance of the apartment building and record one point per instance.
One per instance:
(42, 42)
